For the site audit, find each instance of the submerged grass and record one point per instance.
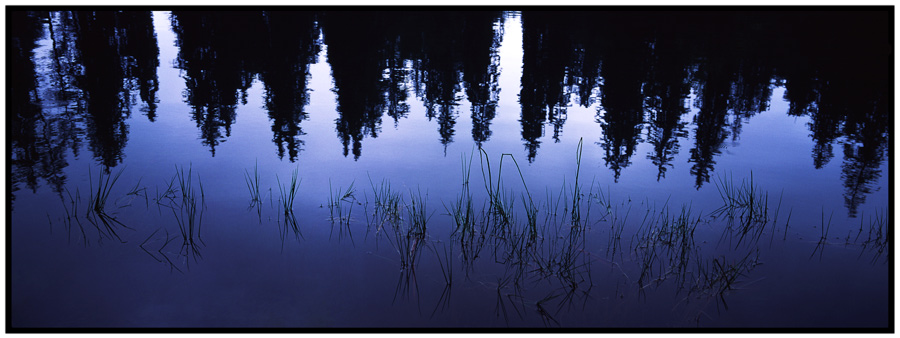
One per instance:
(463, 210)
(823, 240)
(576, 194)
(409, 237)
(189, 214)
(96, 211)
(287, 193)
(252, 182)
(549, 248)
(388, 206)
(719, 276)
(337, 199)
(746, 207)
(878, 239)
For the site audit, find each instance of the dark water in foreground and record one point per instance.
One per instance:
(599, 169)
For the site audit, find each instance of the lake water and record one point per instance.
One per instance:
(600, 169)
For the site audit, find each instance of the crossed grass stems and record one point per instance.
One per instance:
(549, 242)
(186, 203)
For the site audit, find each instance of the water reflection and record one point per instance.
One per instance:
(29, 146)
(293, 46)
(434, 55)
(96, 66)
(665, 93)
(731, 62)
(222, 52)
(624, 69)
(546, 84)
(115, 50)
(217, 52)
(456, 51)
(357, 59)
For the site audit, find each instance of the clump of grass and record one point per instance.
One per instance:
(499, 206)
(878, 237)
(746, 204)
(418, 213)
(501, 202)
(388, 205)
(252, 182)
(719, 276)
(531, 210)
(189, 214)
(169, 194)
(409, 237)
(336, 201)
(616, 227)
(463, 211)
(669, 241)
(288, 193)
(96, 211)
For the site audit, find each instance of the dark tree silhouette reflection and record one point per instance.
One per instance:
(436, 55)
(28, 145)
(97, 65)
(730, 61)
(638, 67)
(216, 52)
(291, 47)
(624, 70)
(666, 90)
(546, 84)
(455, 52)
(357, 59)
(481, 70)
(222, 52)
(116, 49)
(713, 87)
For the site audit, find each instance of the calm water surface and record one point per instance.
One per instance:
(598, 169)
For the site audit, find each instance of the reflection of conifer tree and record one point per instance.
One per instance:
(835, 72)
(751, 92)
(588, 69)
(24, 112)
(63, 67)
(548, 53)
(441, 68)
(113, 55)
(714, 82)
(862, 161)
(99, 63)
(481, 70)
(666, 91)
(215, 50)
(292, 46)
(102, 82)
(141, 41)
(801, 89)
(623, 70)
(397, 88)
(864, 151)
(357, 61)
(825, 124)
(868, 103)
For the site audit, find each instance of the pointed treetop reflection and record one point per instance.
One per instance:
(218, 52)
